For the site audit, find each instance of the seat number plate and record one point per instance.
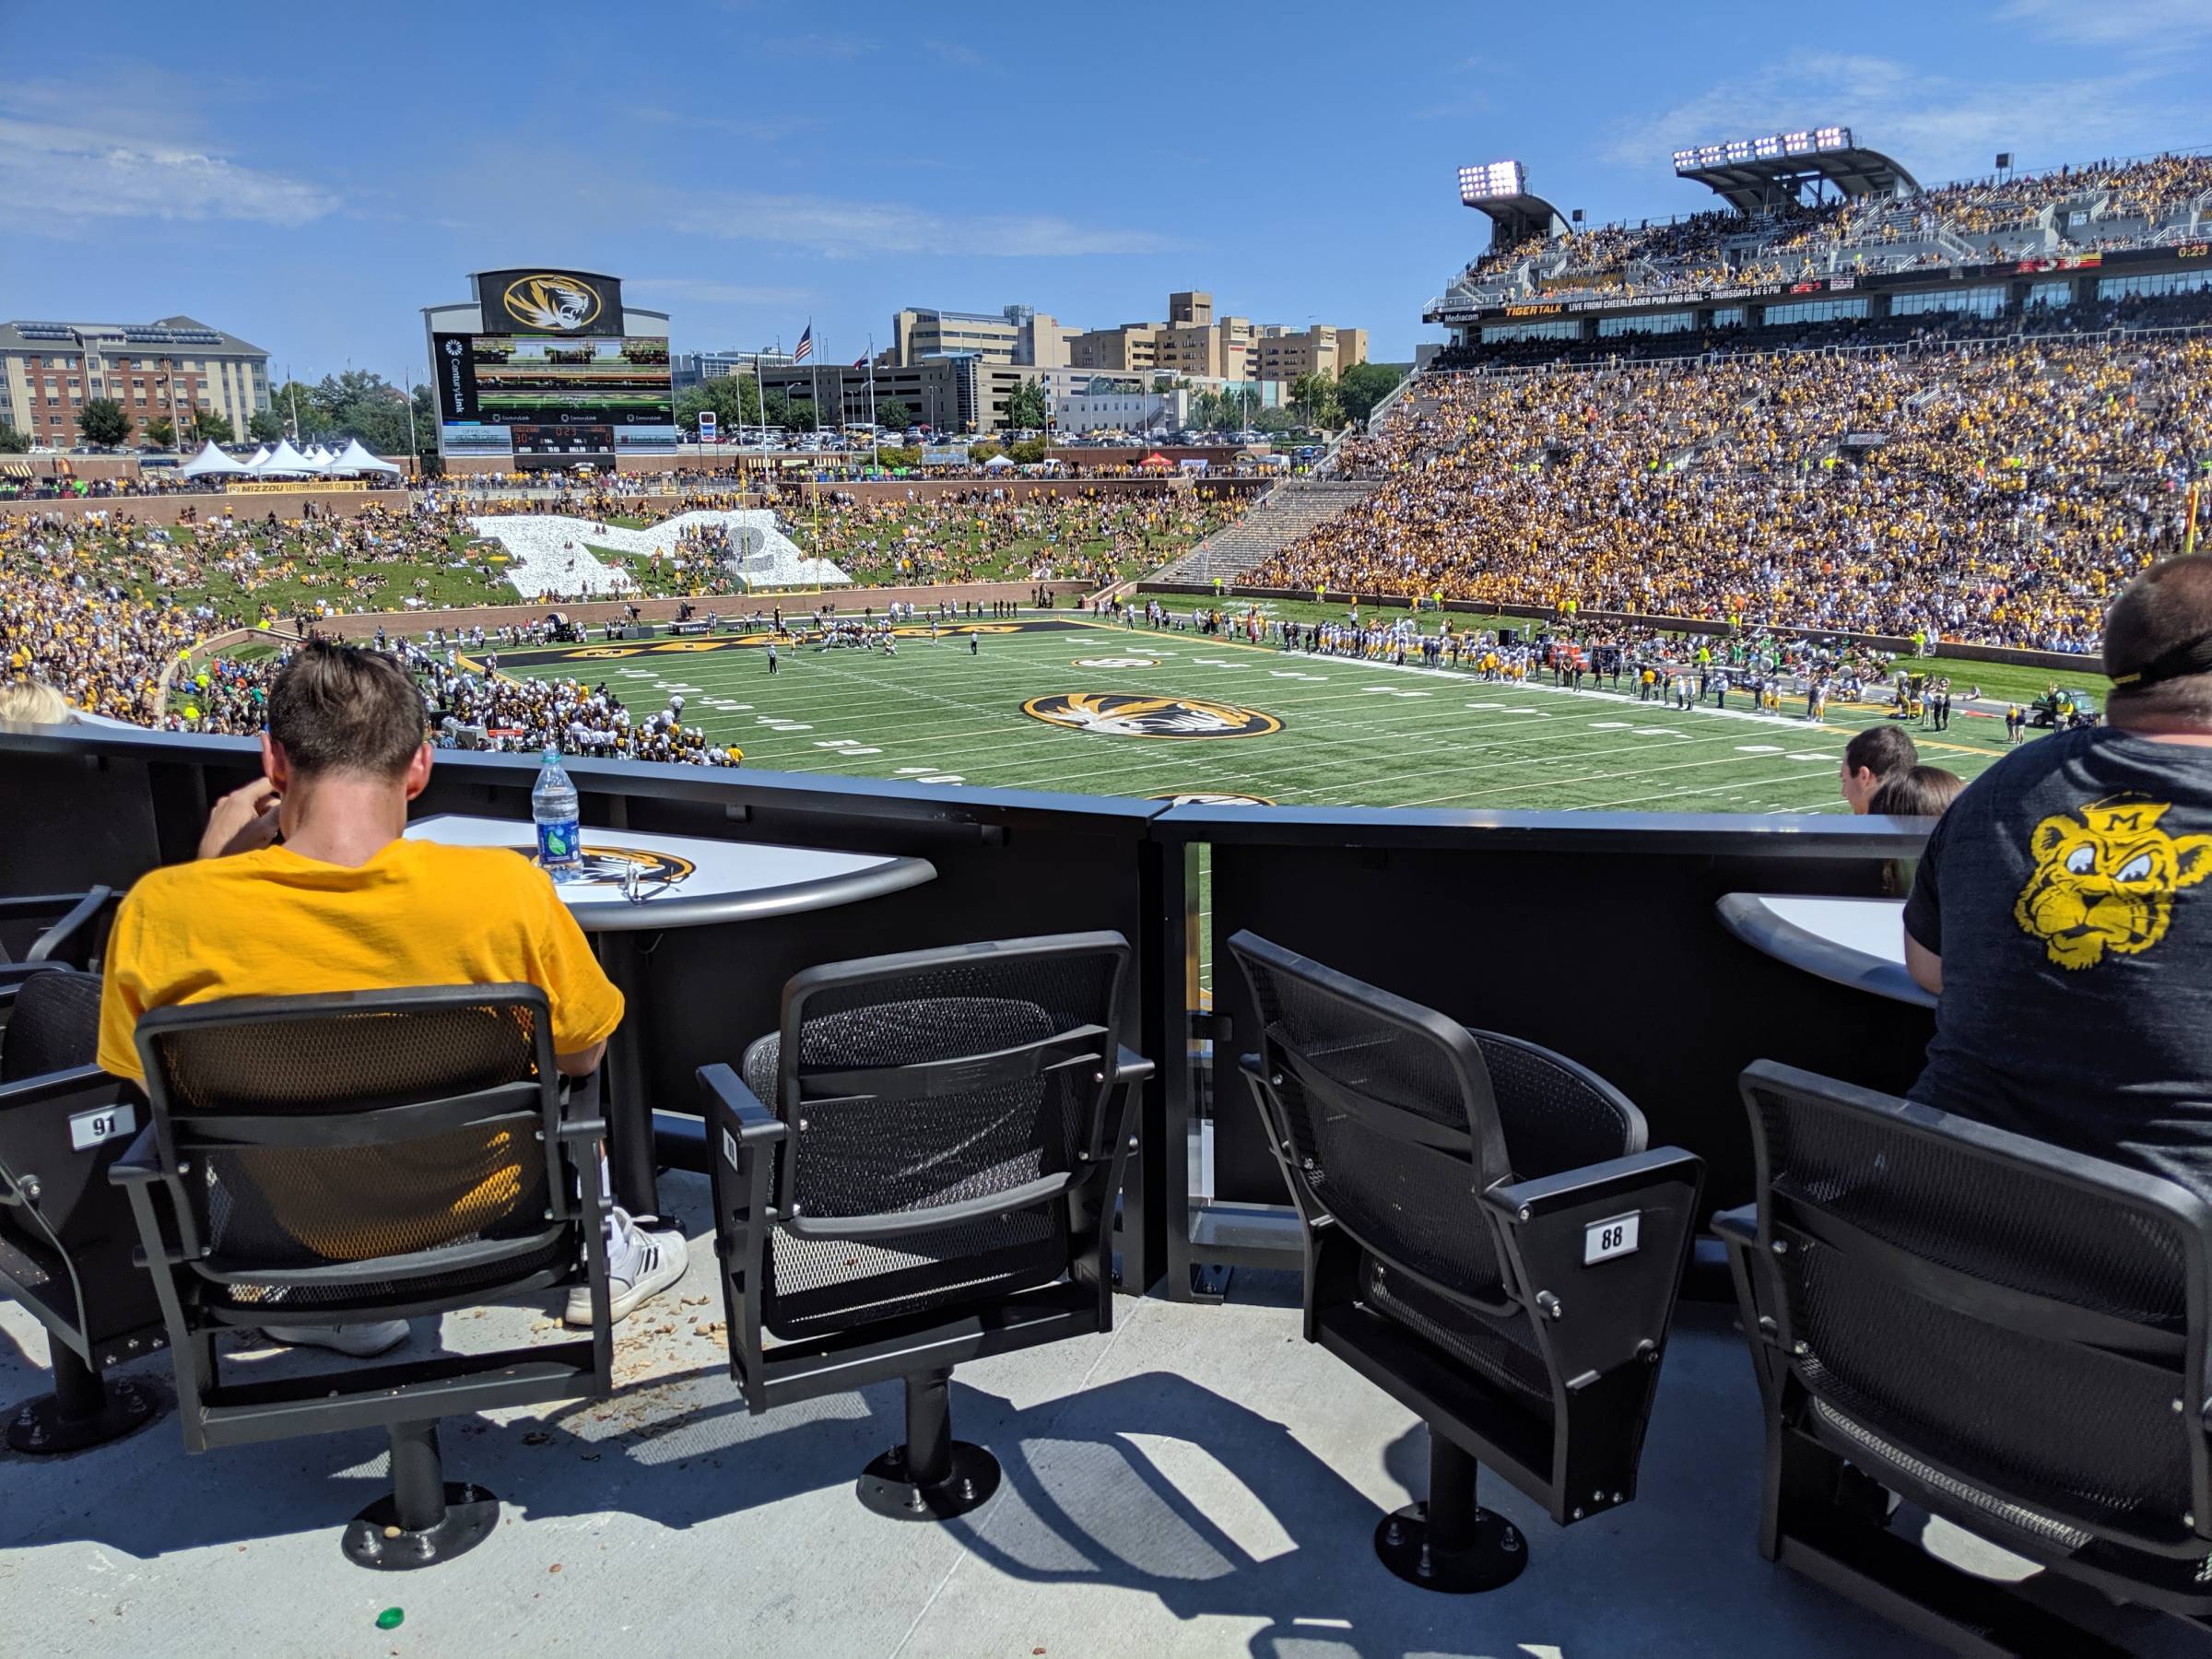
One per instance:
(88, 1129)
(1615, 1236)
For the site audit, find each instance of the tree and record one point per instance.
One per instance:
(733, 399)
(104, 422)
(13, 443)
(1363, 385)
(208, 427)
(893, 416)
(1026, 409)
(1314, 395)
(1029, 452)
(162, 431)
(265, 427)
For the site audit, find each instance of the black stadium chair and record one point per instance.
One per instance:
(935, 1183)
(363, 1156)
(2006, 1334)
(1487, 1240)
(66, 1241)
(51, 930)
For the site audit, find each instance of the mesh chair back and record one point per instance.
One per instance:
(56, 1025)
(961, 1092)
(325, 1131)
(1390, 1115)
(2022, 1321)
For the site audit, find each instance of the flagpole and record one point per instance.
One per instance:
(875, 431)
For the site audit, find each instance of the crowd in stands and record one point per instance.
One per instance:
(1992, 492)
(1795, 240)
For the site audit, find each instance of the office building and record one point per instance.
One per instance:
(177, 367)
(688, 369)
(1020, 335)
(1195, 342)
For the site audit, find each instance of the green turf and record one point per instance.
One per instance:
(1352, 734)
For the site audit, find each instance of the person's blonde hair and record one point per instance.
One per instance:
(29, 704)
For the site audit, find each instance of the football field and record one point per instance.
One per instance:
(1053, 702)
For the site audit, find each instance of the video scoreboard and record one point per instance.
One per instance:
(551, 376)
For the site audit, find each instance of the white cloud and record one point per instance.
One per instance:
(56, 168)
(845, 228)
(957, 55)
(1937, 126)
(2141, 25)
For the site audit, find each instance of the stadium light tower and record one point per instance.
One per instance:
(1501, 190)
(1762, 173)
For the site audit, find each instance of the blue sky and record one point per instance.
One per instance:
(748, 166)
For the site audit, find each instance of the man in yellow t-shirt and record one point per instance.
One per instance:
(304, 883)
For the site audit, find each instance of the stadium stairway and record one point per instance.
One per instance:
(1279, 517)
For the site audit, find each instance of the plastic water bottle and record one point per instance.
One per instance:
(553, 807)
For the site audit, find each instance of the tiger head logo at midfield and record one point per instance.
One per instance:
(1127, 714)
(2105, 882)
(556, 303)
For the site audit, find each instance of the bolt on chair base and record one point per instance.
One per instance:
(374, 1538)
(884, 1486)
(41, 1427)
(1492, 1556)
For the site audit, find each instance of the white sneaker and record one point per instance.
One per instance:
(639, 1265)
(358, 1341)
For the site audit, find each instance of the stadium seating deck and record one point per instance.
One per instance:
(1197, 1481)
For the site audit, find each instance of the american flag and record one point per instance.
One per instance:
(805, 348)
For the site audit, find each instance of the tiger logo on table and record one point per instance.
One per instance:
(2104, 881)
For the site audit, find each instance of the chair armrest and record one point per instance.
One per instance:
(73, 929)
(35, 1091)
(1129, 1066)
(1548, 1194)
(581, 1119)
(141, 1164)
(742, 1138)
(1737, 1228)
(725, 1088)
(1597, 1315)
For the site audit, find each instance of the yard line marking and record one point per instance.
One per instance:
(1758, 749)
(1608, 725)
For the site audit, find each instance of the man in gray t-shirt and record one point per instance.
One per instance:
(2063, 911)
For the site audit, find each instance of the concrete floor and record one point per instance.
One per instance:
(1199, 1481)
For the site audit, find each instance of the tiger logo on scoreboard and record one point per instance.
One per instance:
(559, 302)
(1128, 715)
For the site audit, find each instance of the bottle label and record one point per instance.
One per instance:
(560, 843)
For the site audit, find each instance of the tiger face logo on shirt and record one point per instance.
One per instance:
(2104, 882)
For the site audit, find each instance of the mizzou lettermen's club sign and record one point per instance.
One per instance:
(1128, 715)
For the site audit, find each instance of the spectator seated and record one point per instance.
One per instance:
(936, 1184)
(1487, 1240)
(2008, 1334)
(367, 1157)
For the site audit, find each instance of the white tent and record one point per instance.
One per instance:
(318, 456)
(998, 462)
(286, 462)
(212, 463)
(353, 458)
(258, 459)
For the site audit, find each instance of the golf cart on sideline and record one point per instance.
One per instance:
(2063, 708)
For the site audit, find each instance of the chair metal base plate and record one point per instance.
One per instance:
(885, 1488)
(375, 1538)
(38, 1428)
(1494, 1557)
